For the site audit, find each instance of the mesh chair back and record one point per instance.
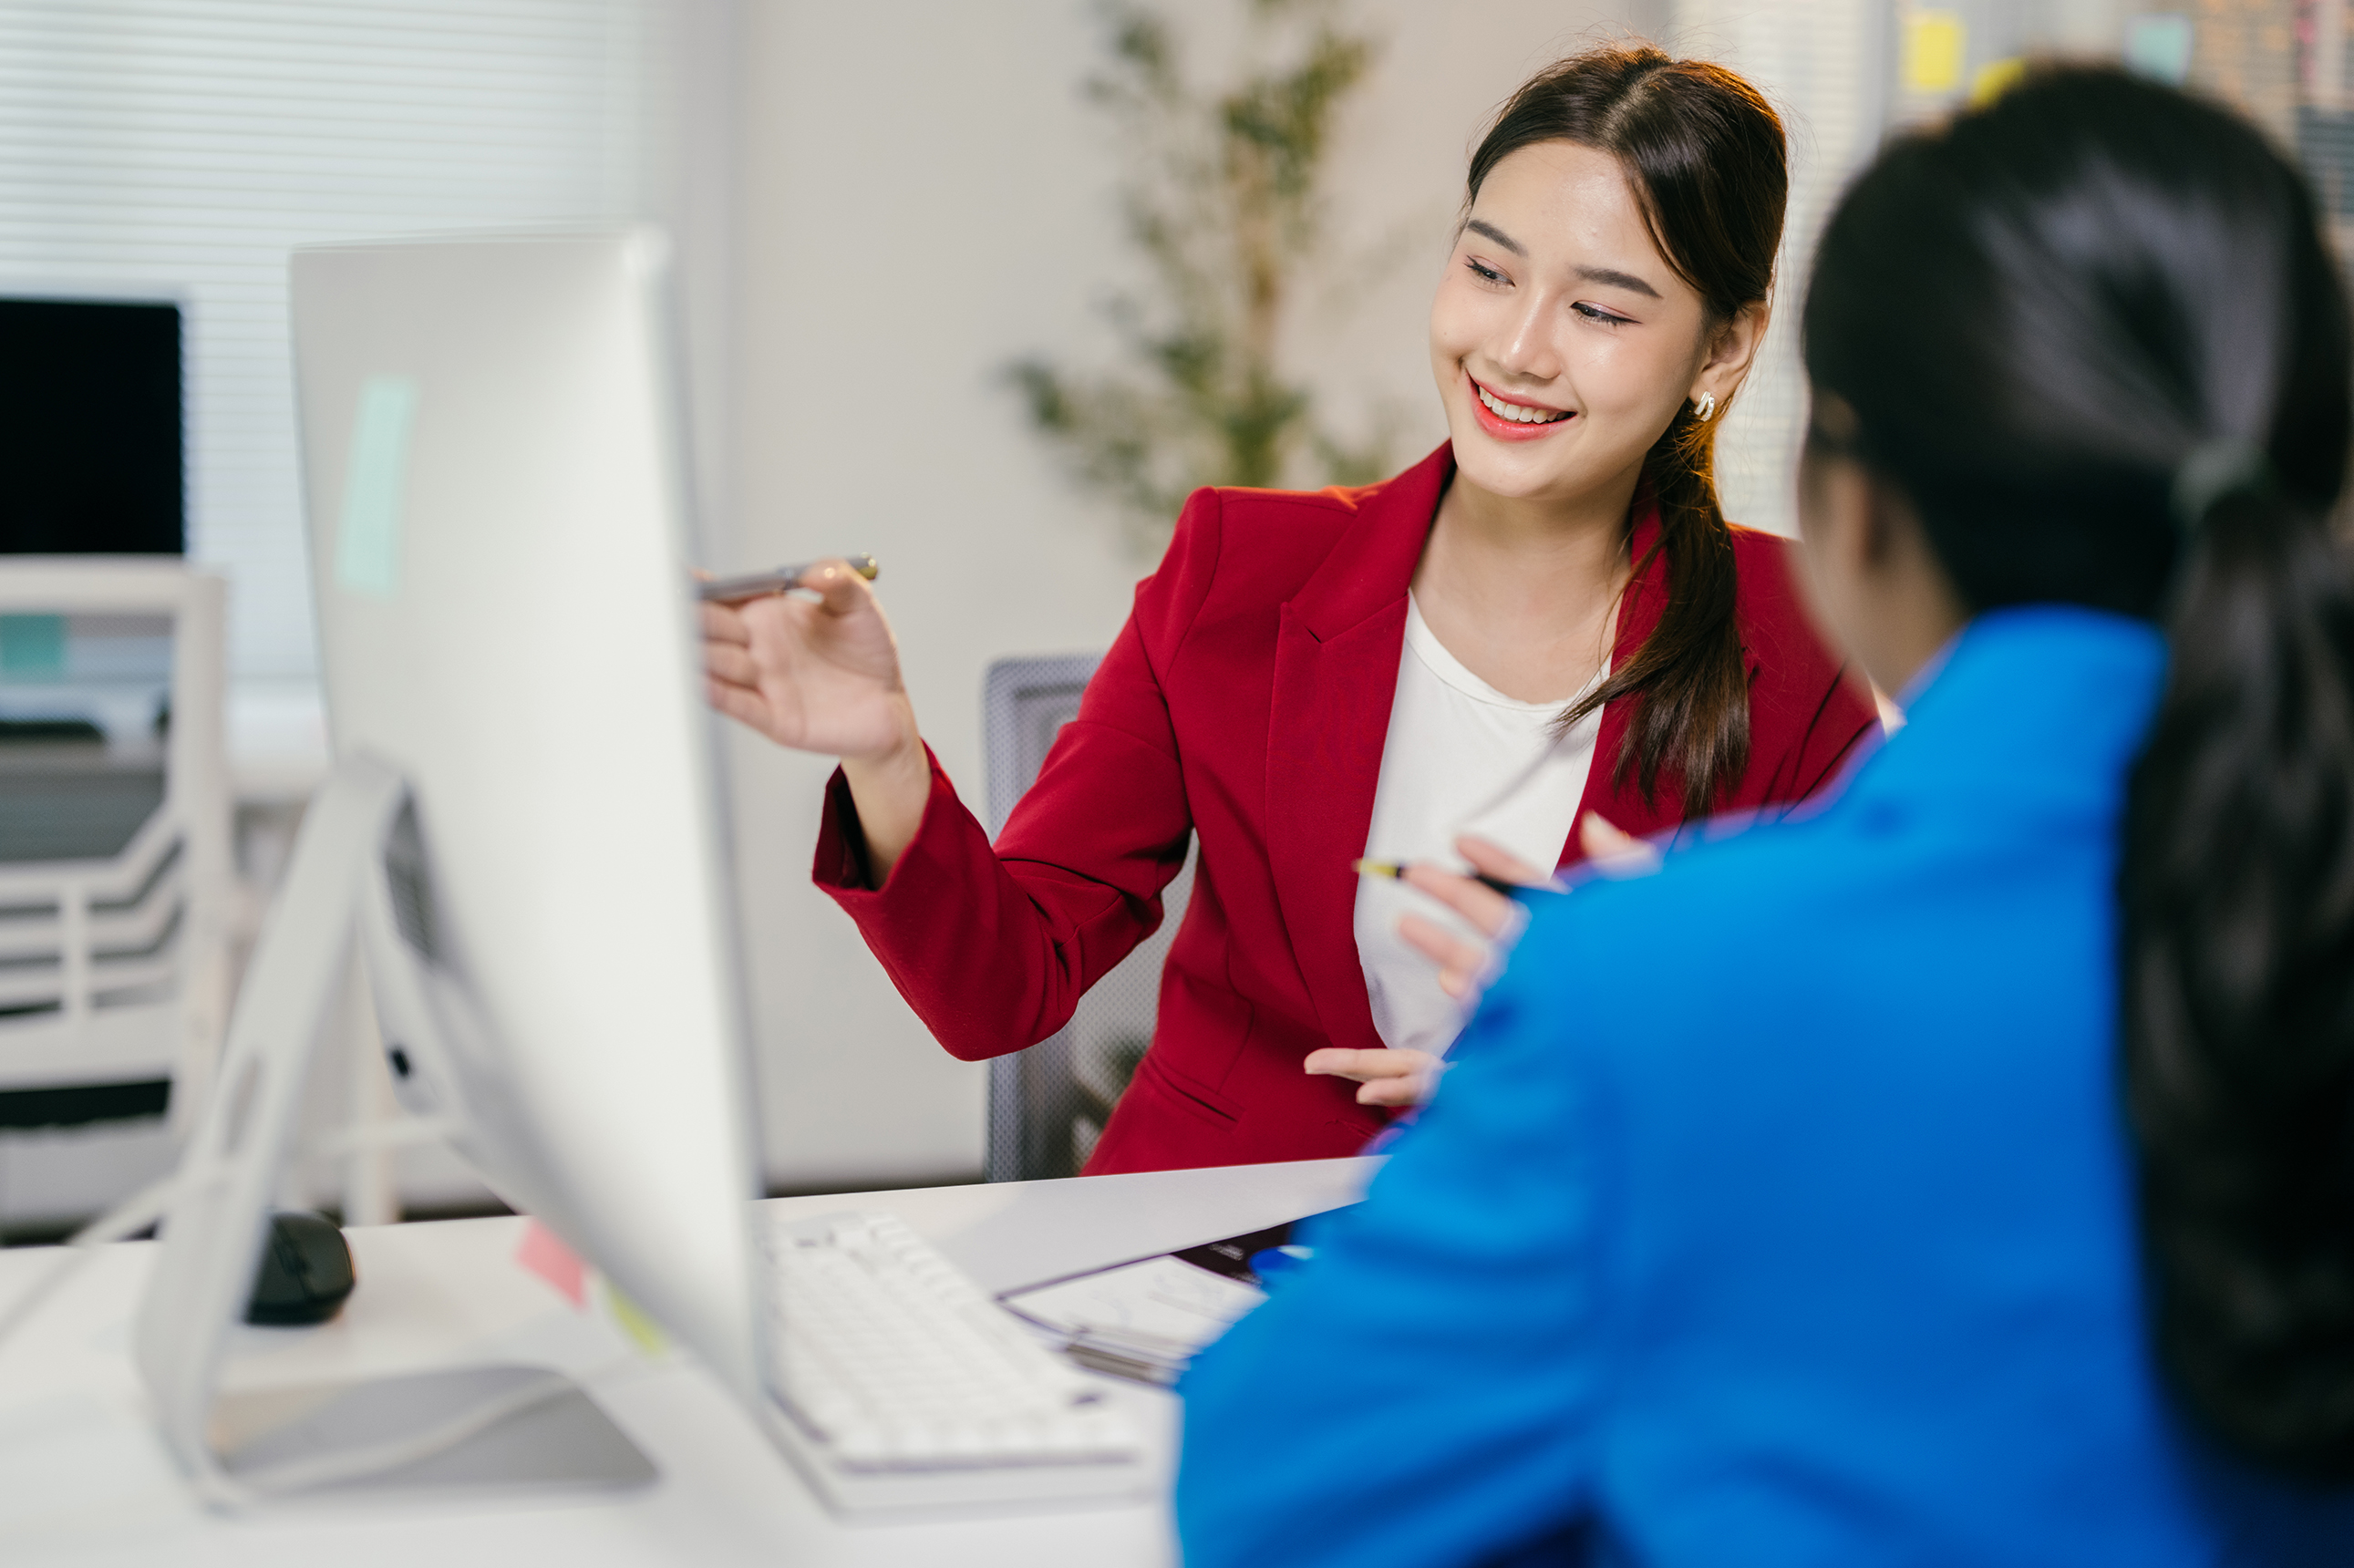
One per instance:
(1047, 1104)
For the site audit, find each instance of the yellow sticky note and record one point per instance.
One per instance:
(1993, 80)
(1933, 49)
(642, 1331)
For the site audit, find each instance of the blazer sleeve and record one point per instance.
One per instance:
(993, 947)
(1424, 1391)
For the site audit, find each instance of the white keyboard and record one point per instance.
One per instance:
(903, 1385)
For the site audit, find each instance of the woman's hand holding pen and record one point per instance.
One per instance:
(1460, 963)
(1491, 912)
(1405, 1078)
(1389, 1078)
(821, 674)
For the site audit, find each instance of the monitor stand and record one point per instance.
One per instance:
(456, 1430)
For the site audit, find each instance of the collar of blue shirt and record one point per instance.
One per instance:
(2034, 703)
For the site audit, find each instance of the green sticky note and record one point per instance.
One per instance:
(367, 545)
(634, 1321)
(2160, 46)
(32, 647)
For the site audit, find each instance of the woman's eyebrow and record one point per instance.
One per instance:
(1610, 276)
(1481, 226)
(1626, 281)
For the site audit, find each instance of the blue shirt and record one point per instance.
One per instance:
(1779, 1209)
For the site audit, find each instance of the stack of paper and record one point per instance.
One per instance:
(1149, 1318)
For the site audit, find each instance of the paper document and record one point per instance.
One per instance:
(1149, 1318)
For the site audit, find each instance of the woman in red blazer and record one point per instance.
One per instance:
(1604, 299)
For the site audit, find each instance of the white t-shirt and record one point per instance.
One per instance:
(1461, 757)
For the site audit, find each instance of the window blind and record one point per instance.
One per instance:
(1820, 63)
(177, 149)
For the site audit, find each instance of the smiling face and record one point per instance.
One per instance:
(1561, 341)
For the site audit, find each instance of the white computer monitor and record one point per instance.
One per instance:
(523, 832)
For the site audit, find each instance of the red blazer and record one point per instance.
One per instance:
(1246, 701)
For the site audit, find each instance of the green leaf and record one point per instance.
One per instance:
(1221, 202)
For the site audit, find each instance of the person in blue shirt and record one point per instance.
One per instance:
(1962, 1174)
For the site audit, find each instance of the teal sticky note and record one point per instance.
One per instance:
(367, 545)
(2159, 46)
(32, 647)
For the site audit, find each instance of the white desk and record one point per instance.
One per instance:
(83, 1480)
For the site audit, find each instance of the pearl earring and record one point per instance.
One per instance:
(1705, 408)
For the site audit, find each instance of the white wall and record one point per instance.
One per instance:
(918, 194)
(923, 196)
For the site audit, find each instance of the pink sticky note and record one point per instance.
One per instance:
(544, 1254)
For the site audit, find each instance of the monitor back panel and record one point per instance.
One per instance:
(497, 503)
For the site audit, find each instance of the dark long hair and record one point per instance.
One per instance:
(2093, 334)
(1706, 157)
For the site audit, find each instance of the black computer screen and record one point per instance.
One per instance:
(90, 427)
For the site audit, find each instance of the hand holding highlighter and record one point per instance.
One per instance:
(759, 585)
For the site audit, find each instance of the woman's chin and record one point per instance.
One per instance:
(1510, 473)
(1570, 468)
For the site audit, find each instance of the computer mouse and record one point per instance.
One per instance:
(306, 1271)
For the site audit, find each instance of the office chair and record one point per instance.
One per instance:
(1047, 1104)
(115, 858)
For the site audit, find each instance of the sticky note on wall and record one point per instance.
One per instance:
(2158, 47)
(368, 542)
(1933, 45)
(1996, 79)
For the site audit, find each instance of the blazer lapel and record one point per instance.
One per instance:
(1336, 666)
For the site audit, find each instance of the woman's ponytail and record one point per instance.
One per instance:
(2238, 955)
(2132, 387)
(1688, 682)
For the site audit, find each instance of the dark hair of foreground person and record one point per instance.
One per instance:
(2147, 410)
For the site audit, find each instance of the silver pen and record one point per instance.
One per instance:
(758, 585)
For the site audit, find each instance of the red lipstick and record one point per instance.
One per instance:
(1505, 429)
